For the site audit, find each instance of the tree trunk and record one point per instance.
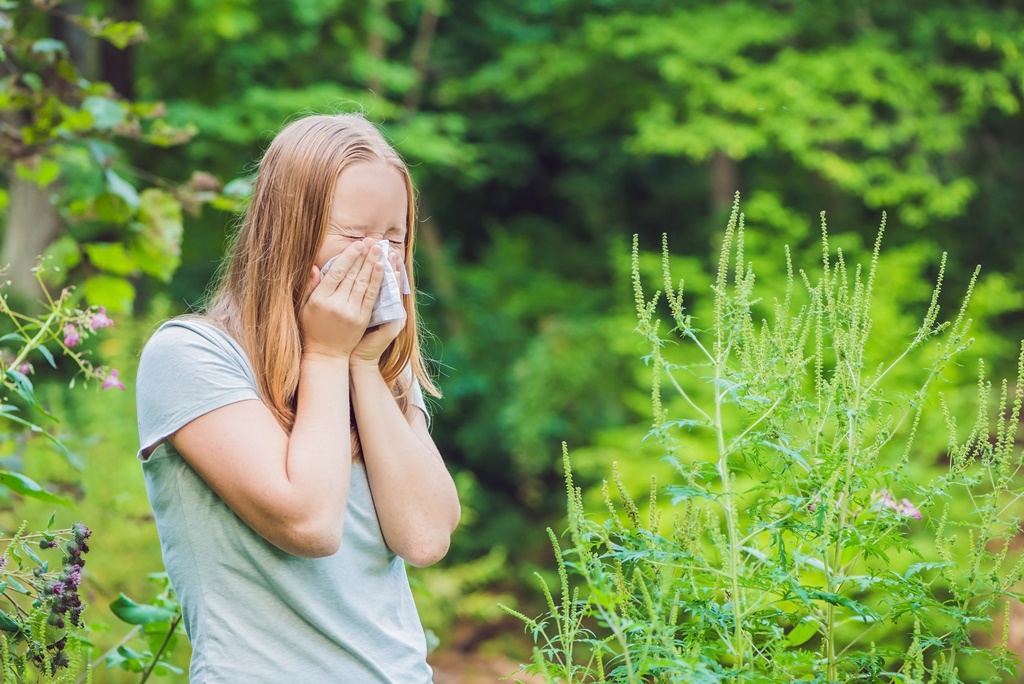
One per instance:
(32, 224)
(115, 64)
(724, 181)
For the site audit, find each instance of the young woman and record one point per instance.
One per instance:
(285, 445)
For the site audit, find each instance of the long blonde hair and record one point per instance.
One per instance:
(264, 280)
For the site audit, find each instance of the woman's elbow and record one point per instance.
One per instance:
(314, 540)
(426, 551)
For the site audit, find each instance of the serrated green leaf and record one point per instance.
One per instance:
(137, 613)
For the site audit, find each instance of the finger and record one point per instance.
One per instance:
(358, 278)
(372, 289)
(314, 280)
(347, 261)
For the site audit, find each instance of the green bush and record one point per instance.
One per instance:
(813, 531)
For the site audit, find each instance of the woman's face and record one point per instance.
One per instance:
(370, 201)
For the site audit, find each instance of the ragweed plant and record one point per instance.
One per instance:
(808, 547)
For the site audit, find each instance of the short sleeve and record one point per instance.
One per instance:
(187, 369)
(416, 392)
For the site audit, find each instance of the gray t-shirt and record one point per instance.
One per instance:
(253, 612)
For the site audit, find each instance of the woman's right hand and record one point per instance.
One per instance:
(338, 305)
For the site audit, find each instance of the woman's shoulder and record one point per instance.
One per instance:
(190, 342)
(191, 332)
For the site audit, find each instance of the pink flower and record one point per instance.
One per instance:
(908, 509)
(25, 368)
(112, 382)
(904, 507)
(100, 320)
(71, 336)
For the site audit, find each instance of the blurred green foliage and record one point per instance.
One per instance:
(541, 135)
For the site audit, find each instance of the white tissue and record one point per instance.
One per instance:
(388, 306)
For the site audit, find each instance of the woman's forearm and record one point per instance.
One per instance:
(415, 497)
(319, 461)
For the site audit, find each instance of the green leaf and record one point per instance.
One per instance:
(113, 292)
(22, 386)
(42, 172)
(112, 208)
(28, 487)
(7, 624)
(47, 355)
(15, 584)
(121, 34)
(122, 188)
(61, 256)
(49, 45)
(7, 413)
(157, 244)
(105, 112)
(802, 632)
(137, 613)
(111, 257)
(33, 81)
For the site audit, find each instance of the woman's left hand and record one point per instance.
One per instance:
(377, 339)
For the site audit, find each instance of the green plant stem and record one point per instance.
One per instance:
(44, 329)
(730, 519)
(127, 637)
(163, 647)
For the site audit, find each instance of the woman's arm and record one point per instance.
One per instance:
(292, 489)
(415, 497)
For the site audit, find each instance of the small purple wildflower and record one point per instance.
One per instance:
(57, 588)
(112, 382)
(74, 578)
(25, 368)
(100, 320)
(71, 335)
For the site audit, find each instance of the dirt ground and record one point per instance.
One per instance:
(453, 667)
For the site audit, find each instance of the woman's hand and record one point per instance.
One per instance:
(369, 349)
(337, 308)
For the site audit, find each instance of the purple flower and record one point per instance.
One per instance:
(25, 368)
(74, 577)
(112, 382)
(57, 589)
(100, 320)
(71, 336)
